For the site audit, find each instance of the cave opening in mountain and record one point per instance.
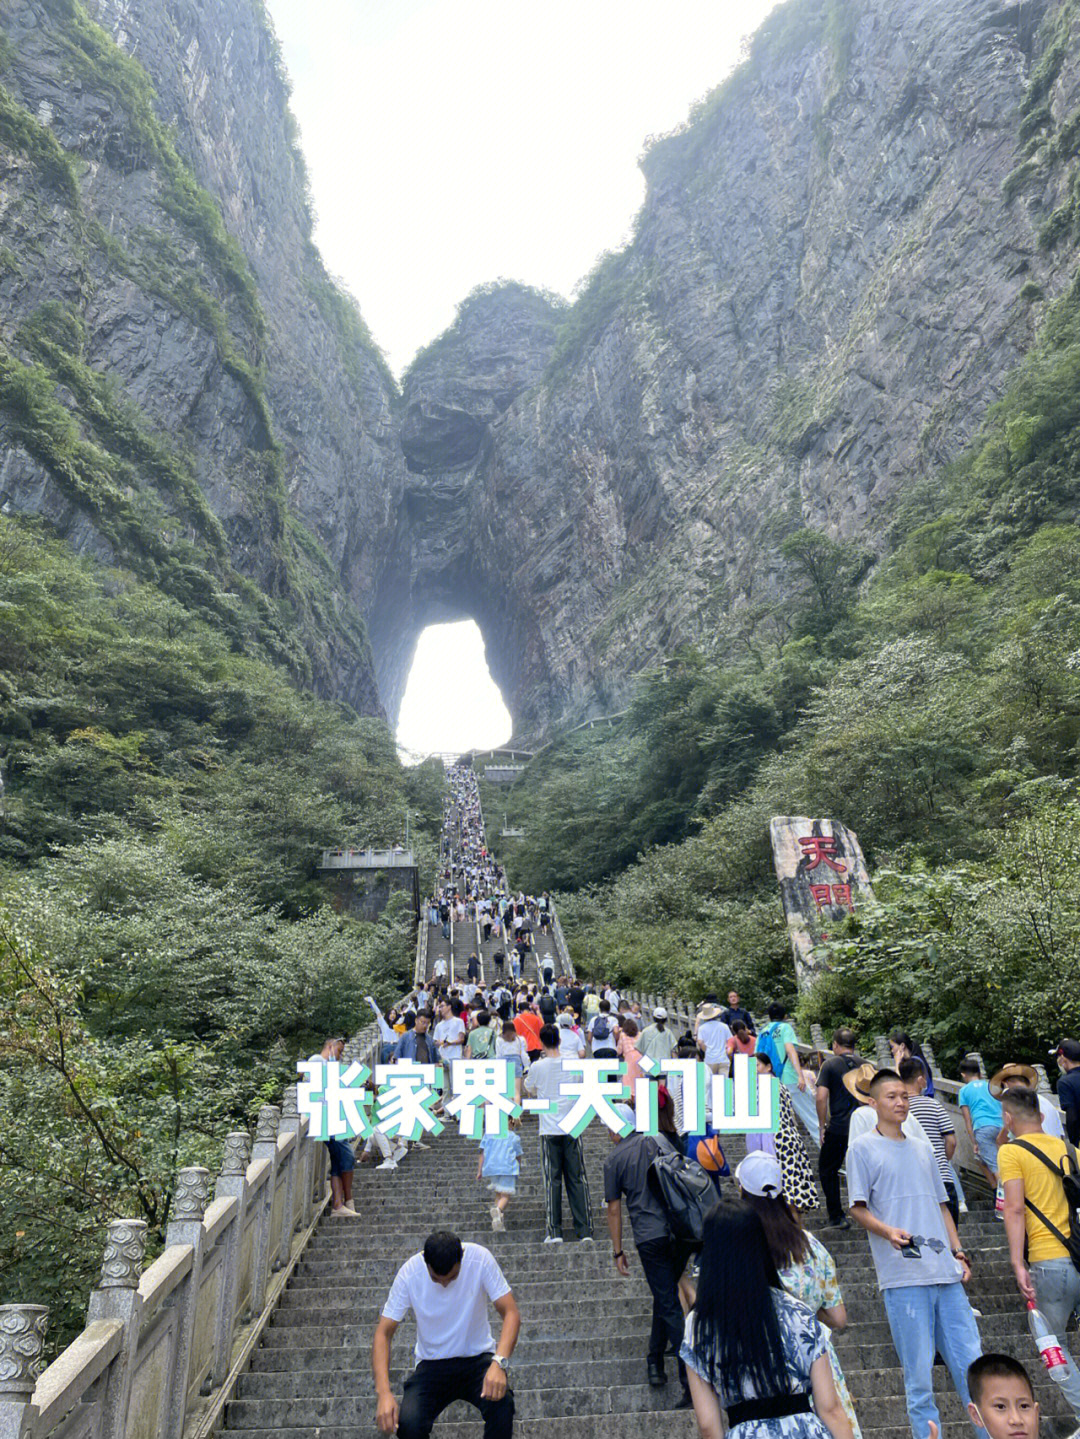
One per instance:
(451, 703)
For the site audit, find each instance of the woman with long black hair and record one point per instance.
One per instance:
(751, 1348)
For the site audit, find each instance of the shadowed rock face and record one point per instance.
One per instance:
(449, 559)
(827, 290)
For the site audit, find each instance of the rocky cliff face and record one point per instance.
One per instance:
(837, 266)
(155, 232)
(838, 263)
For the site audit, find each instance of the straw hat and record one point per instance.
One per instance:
(709, 1011)
(1013, 1071)
(857, 1082)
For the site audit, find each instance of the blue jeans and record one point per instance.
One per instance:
(1057, 1288)
(922, 1318)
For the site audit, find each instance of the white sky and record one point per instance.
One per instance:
(465, 713)
(454, 142)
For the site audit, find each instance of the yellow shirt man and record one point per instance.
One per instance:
(1044, 1190)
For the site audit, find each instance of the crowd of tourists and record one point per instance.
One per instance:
(747, 1312)
(748, 1316)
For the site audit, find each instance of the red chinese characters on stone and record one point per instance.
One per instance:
(823, 894)
(819, 849)
(820, 893)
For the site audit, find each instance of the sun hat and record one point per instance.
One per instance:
(857, 1082)
(759, 1173)
(709, 1011)
(1013, 1071)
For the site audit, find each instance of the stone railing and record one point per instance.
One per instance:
(163, 1348)
(420, 969)
(681, 1016)
(368, 859)
(562, 949)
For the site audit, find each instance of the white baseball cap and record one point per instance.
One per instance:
(759, 1173)
(659, 1012)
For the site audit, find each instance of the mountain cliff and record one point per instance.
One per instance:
(183, 390)
(840, 260)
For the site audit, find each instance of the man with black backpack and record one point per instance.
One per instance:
(602, 1033)
(1039, 1176)
(663, 1258)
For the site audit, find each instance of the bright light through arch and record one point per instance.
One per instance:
(451, 703)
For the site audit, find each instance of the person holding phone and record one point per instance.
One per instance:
(896, 1193)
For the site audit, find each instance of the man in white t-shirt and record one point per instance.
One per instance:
(561, 1158)
(448, 1287)
(571, 1044)
(450, 1036)
(712, 1037)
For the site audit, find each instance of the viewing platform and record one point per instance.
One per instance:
(395, 858)
(361, 881)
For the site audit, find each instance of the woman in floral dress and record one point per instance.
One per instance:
(806, 1268)
(752, 1349)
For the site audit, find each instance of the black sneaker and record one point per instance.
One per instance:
(657, 1377)
(685, 1402)
(842, 1223)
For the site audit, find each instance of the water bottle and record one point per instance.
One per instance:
(1051, 1352)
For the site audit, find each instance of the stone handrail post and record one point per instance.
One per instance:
(817, 1038)
(931, 1059)
(232, 1184)
(117, 1297)
(22, 1340)
(290, 1124)
(1043, 1086)
(882, 1052)
(185, 1227)
(264, 1148)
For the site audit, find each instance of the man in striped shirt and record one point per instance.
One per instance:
(933, 1117)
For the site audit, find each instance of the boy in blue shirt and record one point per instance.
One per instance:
(500, 1159)
(982, 1115)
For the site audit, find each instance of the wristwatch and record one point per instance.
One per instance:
(502, 1361)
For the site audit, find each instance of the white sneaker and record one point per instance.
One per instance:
(588, 1239)
(963, 1207)
(498, 1223)
(387, 1164)
(553, 1239)
(419, 1144)
(400, 1153)
(344, 1213)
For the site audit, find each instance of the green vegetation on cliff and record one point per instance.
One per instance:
(139, 487)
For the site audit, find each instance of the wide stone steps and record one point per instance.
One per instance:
(579, 1367)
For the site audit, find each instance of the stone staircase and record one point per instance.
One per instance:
(579, 1367)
